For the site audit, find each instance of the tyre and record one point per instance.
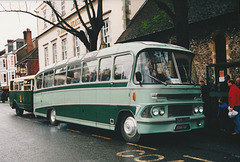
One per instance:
(19, 111)
(52, 117)
(129, 129)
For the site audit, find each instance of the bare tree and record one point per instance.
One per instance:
(179, 16)
(95, 19)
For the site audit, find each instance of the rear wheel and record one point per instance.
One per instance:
(52, 117)
(129, 129)
(19, 111)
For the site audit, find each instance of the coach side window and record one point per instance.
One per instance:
(122, 67)
(89, 71)
(28, 84)
(39, 81)
(60, 76)
(15, 85)
(48, 79)
(73, 74)
(105, 67)
(21, 86)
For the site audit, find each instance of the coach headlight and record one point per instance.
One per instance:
(200, 109)
(155, 111)
(195, 109)
(162, 111)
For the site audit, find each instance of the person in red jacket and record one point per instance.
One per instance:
(234, 103)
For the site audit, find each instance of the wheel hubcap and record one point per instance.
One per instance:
(53, 115)
(130, 127)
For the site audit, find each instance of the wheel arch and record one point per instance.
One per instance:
(119, 118)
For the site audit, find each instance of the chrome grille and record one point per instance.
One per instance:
(180, 110)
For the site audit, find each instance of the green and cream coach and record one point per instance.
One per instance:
(135, 88)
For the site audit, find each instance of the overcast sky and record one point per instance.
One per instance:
(13, 24)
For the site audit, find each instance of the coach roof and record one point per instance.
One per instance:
(133, 47)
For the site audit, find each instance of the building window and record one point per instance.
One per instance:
(106, 36)
(64, 49)
(4, 78)
(63, 7)
(13, 74)
(73, 5)
(77, 46)
(53, 18)
(45, 17)
(54, 50)
(4, 63)
(11, 60)
(46, 56)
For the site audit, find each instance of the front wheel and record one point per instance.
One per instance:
(129, 129)
(52, 117)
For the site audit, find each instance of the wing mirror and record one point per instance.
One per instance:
(139, 77)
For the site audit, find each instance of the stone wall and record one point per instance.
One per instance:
(202, 43)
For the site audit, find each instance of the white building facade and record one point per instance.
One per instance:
(8, 62)
(56, 45)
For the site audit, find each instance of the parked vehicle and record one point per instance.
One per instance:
(21, 94)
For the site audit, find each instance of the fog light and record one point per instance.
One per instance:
(161, 111)
(155, 111)
(196, 110)
(200, 109)
(199, 124)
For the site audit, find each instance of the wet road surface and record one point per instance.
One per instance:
(27, 138)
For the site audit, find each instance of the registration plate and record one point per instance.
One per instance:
(182, 120)
(182, 127)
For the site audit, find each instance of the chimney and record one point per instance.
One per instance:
(10, 41)
(28, 39)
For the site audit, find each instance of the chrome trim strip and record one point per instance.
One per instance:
(71, 104)
(84, 121)
(166, 121)
(115, 88)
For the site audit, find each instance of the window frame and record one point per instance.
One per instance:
(46, 56)
(64, 49)
(99, 68)
(131, 70)
(54, 52)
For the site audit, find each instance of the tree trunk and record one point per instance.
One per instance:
(181, 8)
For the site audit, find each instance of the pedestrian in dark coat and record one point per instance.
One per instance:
(3, 97)
(223, 115)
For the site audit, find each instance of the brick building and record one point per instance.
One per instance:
(19, 58)
(27, 56)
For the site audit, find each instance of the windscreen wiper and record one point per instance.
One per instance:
(157, 79)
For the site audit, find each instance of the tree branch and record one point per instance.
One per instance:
(60, 19)
(99, 11)
(88, 12)
(79, 15)
(93, 11)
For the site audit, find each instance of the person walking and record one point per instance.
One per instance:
(4, 96)
(223, 115)
(234, 103)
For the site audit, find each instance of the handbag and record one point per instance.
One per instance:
(232, 113)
